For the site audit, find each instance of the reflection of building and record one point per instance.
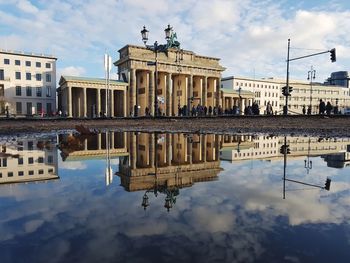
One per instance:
(169, 160)
(243, 147)
(27, 83)
(80, 147)
(28, 160)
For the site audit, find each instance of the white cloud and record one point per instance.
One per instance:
(71, 71)
(27, 7)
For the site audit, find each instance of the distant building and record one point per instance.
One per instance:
(339, 78)
(27, 83)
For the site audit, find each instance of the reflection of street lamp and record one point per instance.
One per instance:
(171, 42)
(308, 162)
(310, 76)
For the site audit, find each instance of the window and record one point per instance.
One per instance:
(6, 61)
(31, 172)
(29, 91)
(18, 91)
(28, 76)
(38, 64)
(4, 162)
(10, 174)
(30, 145)
(29, 108)
(41, 160)
(41, 171)
(48, 91)
(38, 91)
(38, 76)
(18, 75)
(50, 171)
(17, 62)
(50, 159)
(28, 63)
(48, 108)
(20, 160)
(2, 75)
(0, 175)
(39, 107)
(30, 160)
(20, 173)
(48, 77)
(47, 65)
(18, 107)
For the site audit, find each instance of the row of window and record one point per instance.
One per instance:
(257, 85)
(30, 172)
(27, 63)
(3, 161)
(29, 91)
(38, 76)
(39, 108)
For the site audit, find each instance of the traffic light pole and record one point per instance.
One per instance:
(333, 59)
(285, 110)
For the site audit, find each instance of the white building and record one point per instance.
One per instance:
(304, 93)
(27, 83)
(265, 90)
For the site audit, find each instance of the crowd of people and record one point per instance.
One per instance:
(323, 109)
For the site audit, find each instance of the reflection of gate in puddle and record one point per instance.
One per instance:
(164, 163)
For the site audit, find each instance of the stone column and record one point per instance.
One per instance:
(69, 102)
(133, 156)
(85, 103)
(204, 148)
(124, 104)
(112, 102)
(189, 93)
(152, 149)
(218, 92)
(168, 149)
(205, 91)
(98, 102)
(132, 90)
(99, 141)
(151, 93)
(168, 95)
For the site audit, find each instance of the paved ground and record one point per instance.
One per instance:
(333, 126)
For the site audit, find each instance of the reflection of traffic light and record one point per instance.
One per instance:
(333, 56)
(327, 185)
(285, 149)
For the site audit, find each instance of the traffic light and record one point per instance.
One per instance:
(327, 185)
(290, 90)
(284, 91)
(333, 55)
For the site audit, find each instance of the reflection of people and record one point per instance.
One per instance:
(7, 112)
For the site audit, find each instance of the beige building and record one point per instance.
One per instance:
(304, 93)
(27, 83)
(310, 95)
(262, 91)
(86, 97)
(28, 160)
(182, 75)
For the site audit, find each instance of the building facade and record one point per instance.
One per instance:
(27, 83)
(87, 97)
(304, 94)
(184, 79)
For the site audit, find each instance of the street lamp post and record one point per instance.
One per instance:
(311, 74)
(171, 43)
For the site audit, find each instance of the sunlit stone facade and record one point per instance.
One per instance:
(27, 83)
(181, 76)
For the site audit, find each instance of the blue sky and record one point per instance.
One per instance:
(249, 36)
